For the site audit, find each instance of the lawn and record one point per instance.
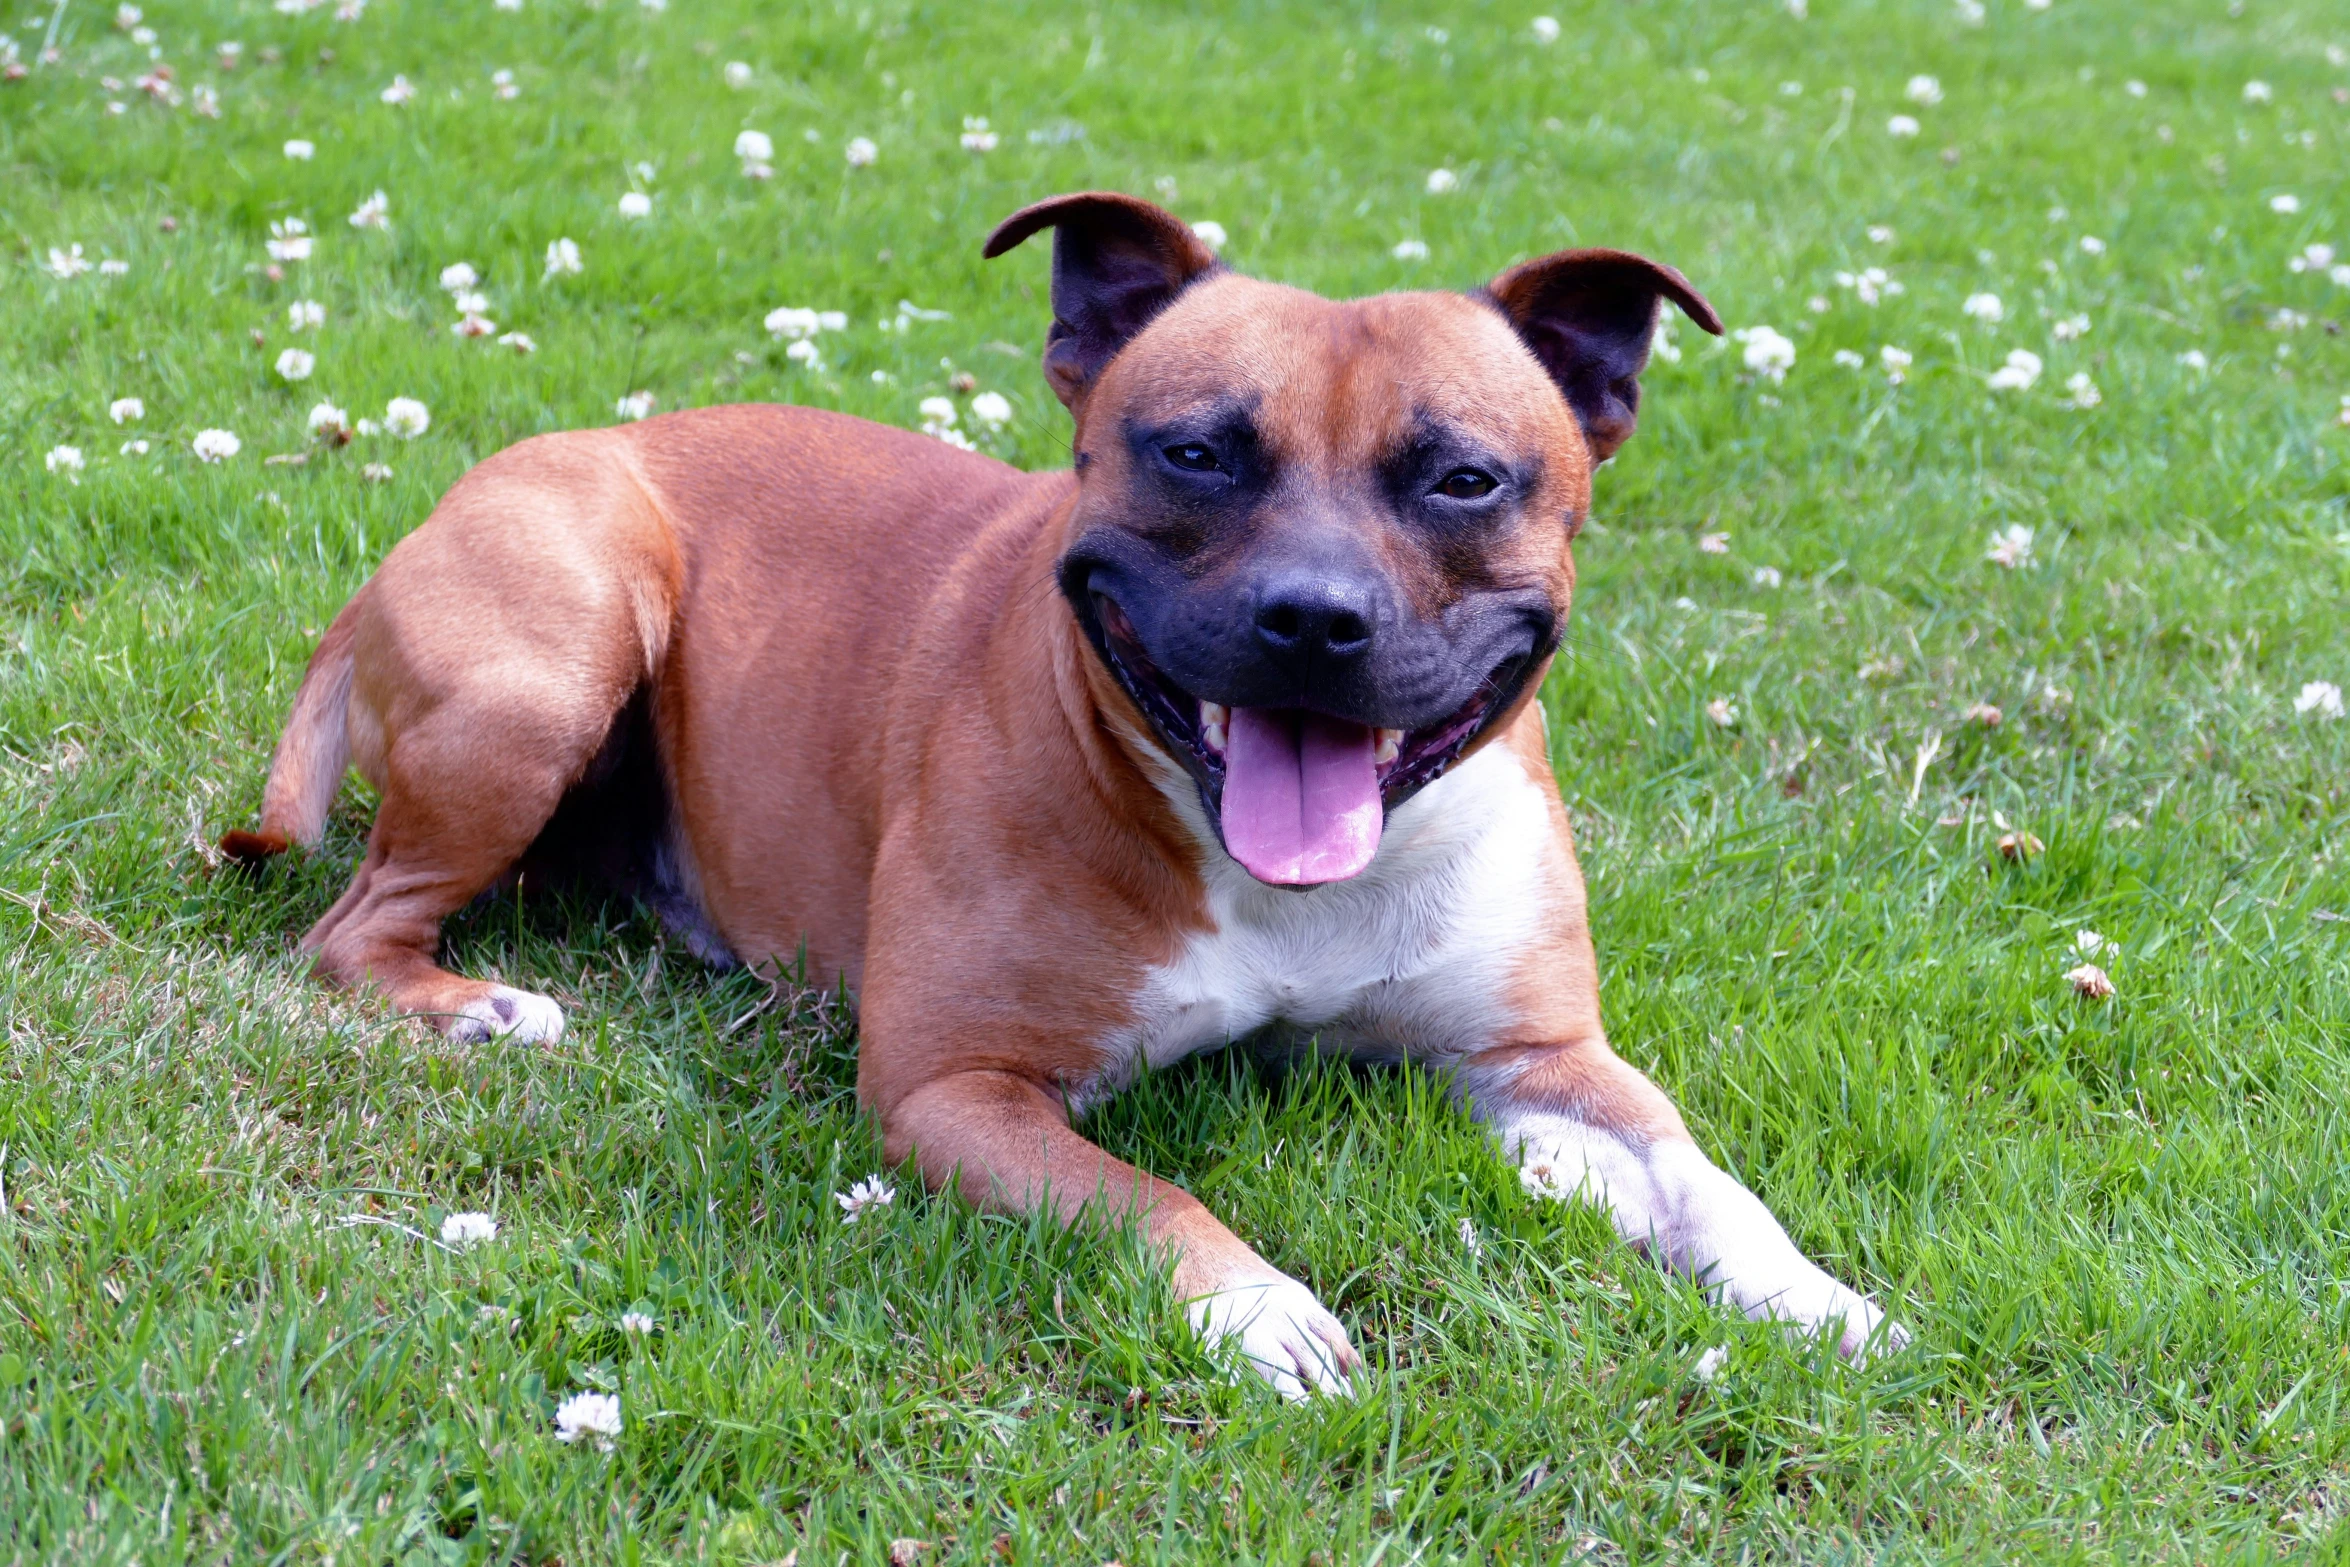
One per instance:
(229, 1328)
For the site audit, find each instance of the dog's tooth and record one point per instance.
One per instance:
(1390, 746)
(1213, 716)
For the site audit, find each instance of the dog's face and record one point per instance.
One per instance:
(1324, 545)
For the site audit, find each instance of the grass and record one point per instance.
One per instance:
(2121, 1230)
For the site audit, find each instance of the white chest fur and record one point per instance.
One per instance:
(1409, 958)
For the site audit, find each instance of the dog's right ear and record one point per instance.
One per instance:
(1117, 262)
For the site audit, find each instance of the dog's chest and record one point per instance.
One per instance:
(1412, 957)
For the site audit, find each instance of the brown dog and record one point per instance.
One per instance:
(1231, 729)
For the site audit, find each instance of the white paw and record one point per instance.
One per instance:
(1813, 1303)
(520, 1015)
(1284, 1334)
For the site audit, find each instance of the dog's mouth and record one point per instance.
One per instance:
(1299, 797)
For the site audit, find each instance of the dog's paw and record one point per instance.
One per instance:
(1814, 1304)
(1283, 1334)
(506, 1013)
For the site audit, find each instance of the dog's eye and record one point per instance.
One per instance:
(1193, 457)
(1467, 484)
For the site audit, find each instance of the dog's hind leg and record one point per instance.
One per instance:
(490, 657)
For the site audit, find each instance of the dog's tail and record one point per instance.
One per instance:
(311, 755)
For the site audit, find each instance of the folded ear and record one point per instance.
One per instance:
(1589, 316)
(1117, 262)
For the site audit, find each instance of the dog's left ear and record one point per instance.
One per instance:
(1589, 316)
(1117, 262)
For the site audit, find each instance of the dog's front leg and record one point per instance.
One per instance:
(1006, 1143)
(1578, 1121)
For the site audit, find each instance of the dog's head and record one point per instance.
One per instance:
(1322, 544)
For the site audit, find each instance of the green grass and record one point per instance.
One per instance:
(2121, 1231)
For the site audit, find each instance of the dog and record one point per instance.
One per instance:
(1231, 729)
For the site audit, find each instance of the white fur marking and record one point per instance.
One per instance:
(533, 1019)
(1667, 1196)
(1282, 1331)
(1413, 956)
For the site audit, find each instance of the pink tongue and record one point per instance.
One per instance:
(1301, 795)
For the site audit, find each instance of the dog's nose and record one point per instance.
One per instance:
(1315, 618)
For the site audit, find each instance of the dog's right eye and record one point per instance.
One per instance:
(1192, 457)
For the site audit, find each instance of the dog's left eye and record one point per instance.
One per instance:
(1467, 484)
(1192, 456)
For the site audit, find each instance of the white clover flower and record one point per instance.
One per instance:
(936, 410)
(503, 87)
(562, 259)
(1440, 181)
(861, 152)
(399, 92)
(295, 364)
(1869, 285)
(2091, 245)
(1985, 308)
(301, 151)
(474, 324)
(1923, 89)
(136, 448)
(636, 204)
(1469, 1241)
(636, 405)
(127, 17)
(1546, 29)
(1660, 342)
(1902, 125)
(2286, 204)
(289, 240)
(520, 342)
(468, 300)
(2091, 981)
(1410, 250)
(373, 213)
(2313, 258)
(976, 135)
(803, 351)
(2321, 697)
(754, 147)
(2194, 359)
(2089, 943)
(1709, 1365)
(635, 1323)
(66, 263)
(2069, 328)
(1767, 577)
(2011, 547)
(2258, 92)
(873, 1191)
(1713, 544)
(1211, 233)
(992, 409)
(123, 409)
(459, 275)
(738, 75)
(376, 472)
(1896, 362)
(1723, 712)
(1880, 233)
(305, 315)
(216, 445)
(328, 420)
(2020, 372)
(1848, 359)
(1769, 353)
(64, 459)
(793, 322)
(406, 418)
(2134, 87)
(2081, 392)
(588, 1417)
(468, 1229)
